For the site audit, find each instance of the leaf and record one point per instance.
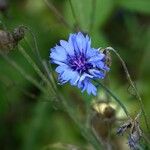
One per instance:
(104, 9)
(36, 125)
(83, 11)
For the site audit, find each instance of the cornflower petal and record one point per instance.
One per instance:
(68, 47)
(83, 78)
(81, 42)
(100, 64)
(58, 53)
(67, 74)
(60, 69)
(96, 58)
(91, 89)
(97, 73)
(72, 41)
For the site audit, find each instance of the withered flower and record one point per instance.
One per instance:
(135, 132)
(124, 127)
(9, 40)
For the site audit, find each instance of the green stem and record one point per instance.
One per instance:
(106, 83)
(74, 14)
(84, 131)
(22, 72)
(58, 14)
(133, 86)
(50, 75)
(35, 44)
(115, 98)
(36, 68)
(44, 64)
(29, 59)
(92, 15)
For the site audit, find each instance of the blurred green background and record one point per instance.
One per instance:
(27, 122)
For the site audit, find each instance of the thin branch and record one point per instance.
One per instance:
(22, 72)
(133, 85)
(106, 82)
(74, 14)
(115, 98)
(58, 14)
(36, 68)
(35, 44)
(146, 139)
(93, 13)
(29, 59)
(86, 133)
(44, 64)
(50, 75)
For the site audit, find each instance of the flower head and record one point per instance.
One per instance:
(79, 63)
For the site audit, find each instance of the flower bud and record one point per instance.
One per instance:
(102, 120)
(19, 33)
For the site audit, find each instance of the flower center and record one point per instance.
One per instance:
(79, 63)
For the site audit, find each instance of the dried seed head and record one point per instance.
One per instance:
(19, 33)
(135, 132)
(123, 128)
(9, 40)
(133, 140)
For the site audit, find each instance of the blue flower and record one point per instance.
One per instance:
(79, 63)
